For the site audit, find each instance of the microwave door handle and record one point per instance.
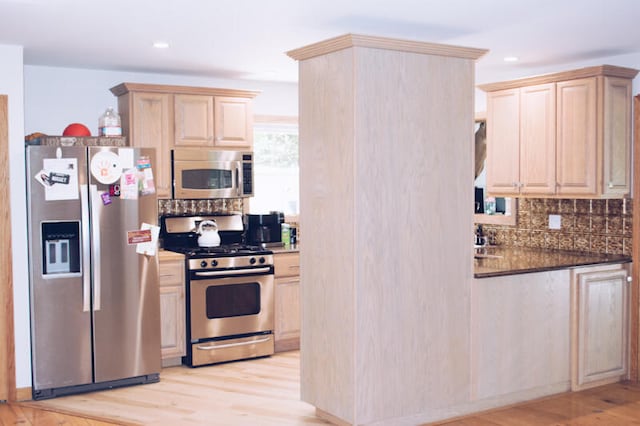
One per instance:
(239, 178)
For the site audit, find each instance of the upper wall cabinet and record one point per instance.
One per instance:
(214, 121)
(233, 121)
(147, 120)
(164, 117)
(561, 135)
(193, 120)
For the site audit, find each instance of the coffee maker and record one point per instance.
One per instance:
(265, 229)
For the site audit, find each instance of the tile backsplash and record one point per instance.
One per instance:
(192, 207)
(206, 207)
(596, 226)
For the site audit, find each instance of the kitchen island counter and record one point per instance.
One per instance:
(495, 261)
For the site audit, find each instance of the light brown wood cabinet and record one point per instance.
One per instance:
(164, 117)
(287, 301)
(213, 121)
(233, 122)
(172, 308)
(600, 325)
(561, 135)
(147, 122)
(503, 159)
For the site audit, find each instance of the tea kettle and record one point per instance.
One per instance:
(208, 237)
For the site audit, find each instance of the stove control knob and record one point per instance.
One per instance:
(262, 260)
(252, 260)
(203, 264)
(214, 263)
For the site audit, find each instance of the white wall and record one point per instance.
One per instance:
(56, 97)
(11, 84)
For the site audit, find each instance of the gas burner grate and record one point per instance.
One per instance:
(228, 250)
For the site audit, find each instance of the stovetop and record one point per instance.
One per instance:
(226, 250)
(178, 234)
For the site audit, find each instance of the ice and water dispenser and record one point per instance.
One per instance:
(60, 247)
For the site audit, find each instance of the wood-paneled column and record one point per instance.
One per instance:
(7, 352)
(635, 254)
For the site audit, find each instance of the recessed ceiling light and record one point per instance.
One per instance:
(511, 59)
(161, 45)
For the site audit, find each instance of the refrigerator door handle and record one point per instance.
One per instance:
(86, 248)
(96, 203)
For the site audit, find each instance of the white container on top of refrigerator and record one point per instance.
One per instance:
(95, 302)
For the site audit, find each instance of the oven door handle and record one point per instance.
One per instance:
(232, 345)
(232, 272)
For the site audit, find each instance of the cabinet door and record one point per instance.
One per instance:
(503, 142)
(193, 120)
(233, 122)
(600, 328)
(617, 136)
(172, 322)
(172, 309)
(538, 139)
(287, 314)
(151, 126)
(576, 137)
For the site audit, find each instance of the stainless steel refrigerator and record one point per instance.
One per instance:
(94, 296)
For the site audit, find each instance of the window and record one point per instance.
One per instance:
(276, 170)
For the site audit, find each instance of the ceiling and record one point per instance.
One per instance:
(247, 39)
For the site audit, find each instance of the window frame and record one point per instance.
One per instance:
(275, 121)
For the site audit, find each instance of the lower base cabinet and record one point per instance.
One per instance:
(600, 331)
(172, 309)
(520, 336)
(287, 301)
(543, 333)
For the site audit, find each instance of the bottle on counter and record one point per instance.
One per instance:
(109, 123)
(286, 235)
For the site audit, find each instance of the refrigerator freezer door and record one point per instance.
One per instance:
(60, 327)
(126, 293)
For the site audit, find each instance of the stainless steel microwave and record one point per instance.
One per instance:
(201, 173)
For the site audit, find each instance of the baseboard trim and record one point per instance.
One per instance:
(24, 394)
(331, 418)
(171, 362)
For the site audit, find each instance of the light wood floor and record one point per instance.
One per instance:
(611, 405)
(266, 392)
(263, 391)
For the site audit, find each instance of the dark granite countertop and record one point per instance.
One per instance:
(495, 261)
(293, 248)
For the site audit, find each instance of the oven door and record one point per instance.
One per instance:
(207, 179)
(230, 306)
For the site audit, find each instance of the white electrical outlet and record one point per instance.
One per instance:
(555, 221)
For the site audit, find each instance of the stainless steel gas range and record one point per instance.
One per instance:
(229, 291)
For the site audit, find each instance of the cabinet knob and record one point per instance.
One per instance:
(629, 278)
(610, 185)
